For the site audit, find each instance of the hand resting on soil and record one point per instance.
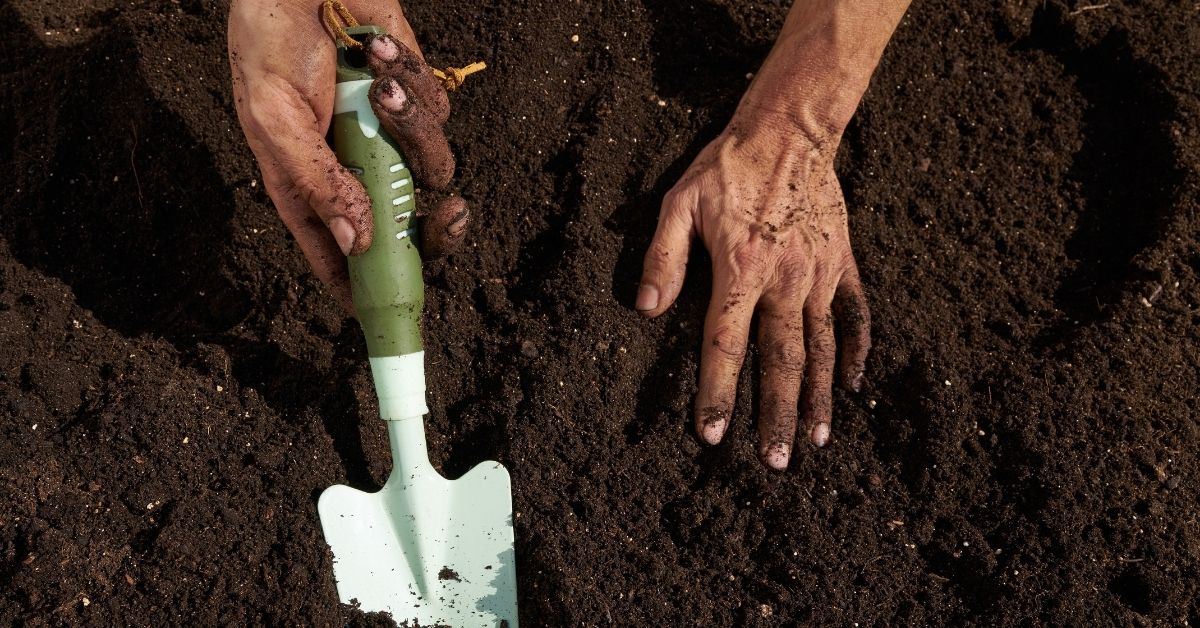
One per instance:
(764, 199)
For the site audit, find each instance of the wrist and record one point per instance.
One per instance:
(812, 81)
(809, 95)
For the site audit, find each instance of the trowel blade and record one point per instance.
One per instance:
(426, 549)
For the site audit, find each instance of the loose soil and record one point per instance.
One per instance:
(176, 388)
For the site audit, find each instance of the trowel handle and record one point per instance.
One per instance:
(386, 279)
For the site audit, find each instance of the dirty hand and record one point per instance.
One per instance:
(771, 213)
(283, 62)
(764, 199)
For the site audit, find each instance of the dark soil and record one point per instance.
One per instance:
(1023, 176)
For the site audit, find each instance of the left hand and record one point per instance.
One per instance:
(765, 201)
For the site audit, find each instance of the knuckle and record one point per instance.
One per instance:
(821, 347)
(786, 358)
(316, 195)
(260, 112)
(750, 258)
(791, 275)
(670, 200)
(728, 344)
(673, 200)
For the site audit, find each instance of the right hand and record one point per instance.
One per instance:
(283, 63)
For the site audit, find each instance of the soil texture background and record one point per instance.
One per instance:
(176, 388)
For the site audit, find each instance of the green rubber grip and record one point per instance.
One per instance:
(386, 279)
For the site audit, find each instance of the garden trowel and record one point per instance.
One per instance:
(426, 549)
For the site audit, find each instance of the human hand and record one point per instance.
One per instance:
(283, 63)
(766, 203)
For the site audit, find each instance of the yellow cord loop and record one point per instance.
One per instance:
(332, 10)
(452, 78)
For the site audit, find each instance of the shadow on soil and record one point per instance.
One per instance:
(1125, 168)
(115, 208)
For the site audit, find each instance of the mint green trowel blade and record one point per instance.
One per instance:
(425, 549)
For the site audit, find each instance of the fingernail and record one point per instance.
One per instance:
(710, 424)
(711, 433)
(459, 225)
(385, 48)
(820, 434)
(856, 383)
(647, 298)
(392, 96)
(343, 233)
(776, 456)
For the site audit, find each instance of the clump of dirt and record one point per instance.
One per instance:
(176, 388)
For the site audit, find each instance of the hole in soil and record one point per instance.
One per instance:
(113, 196)
(1125, 169)
(1132, 589)
(144, 540)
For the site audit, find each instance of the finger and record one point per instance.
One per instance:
(412, 105)
(726, 330)
(781, 340)
(389, 16)
(419, 136)
(444, 229)
(854, 324)
(821, 353)
(665, 264)
(388, 56)
(299, 167)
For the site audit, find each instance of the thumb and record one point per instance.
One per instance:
(309, 175)
(666, 260)
(333, 194)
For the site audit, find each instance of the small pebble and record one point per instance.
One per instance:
(574, 39)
